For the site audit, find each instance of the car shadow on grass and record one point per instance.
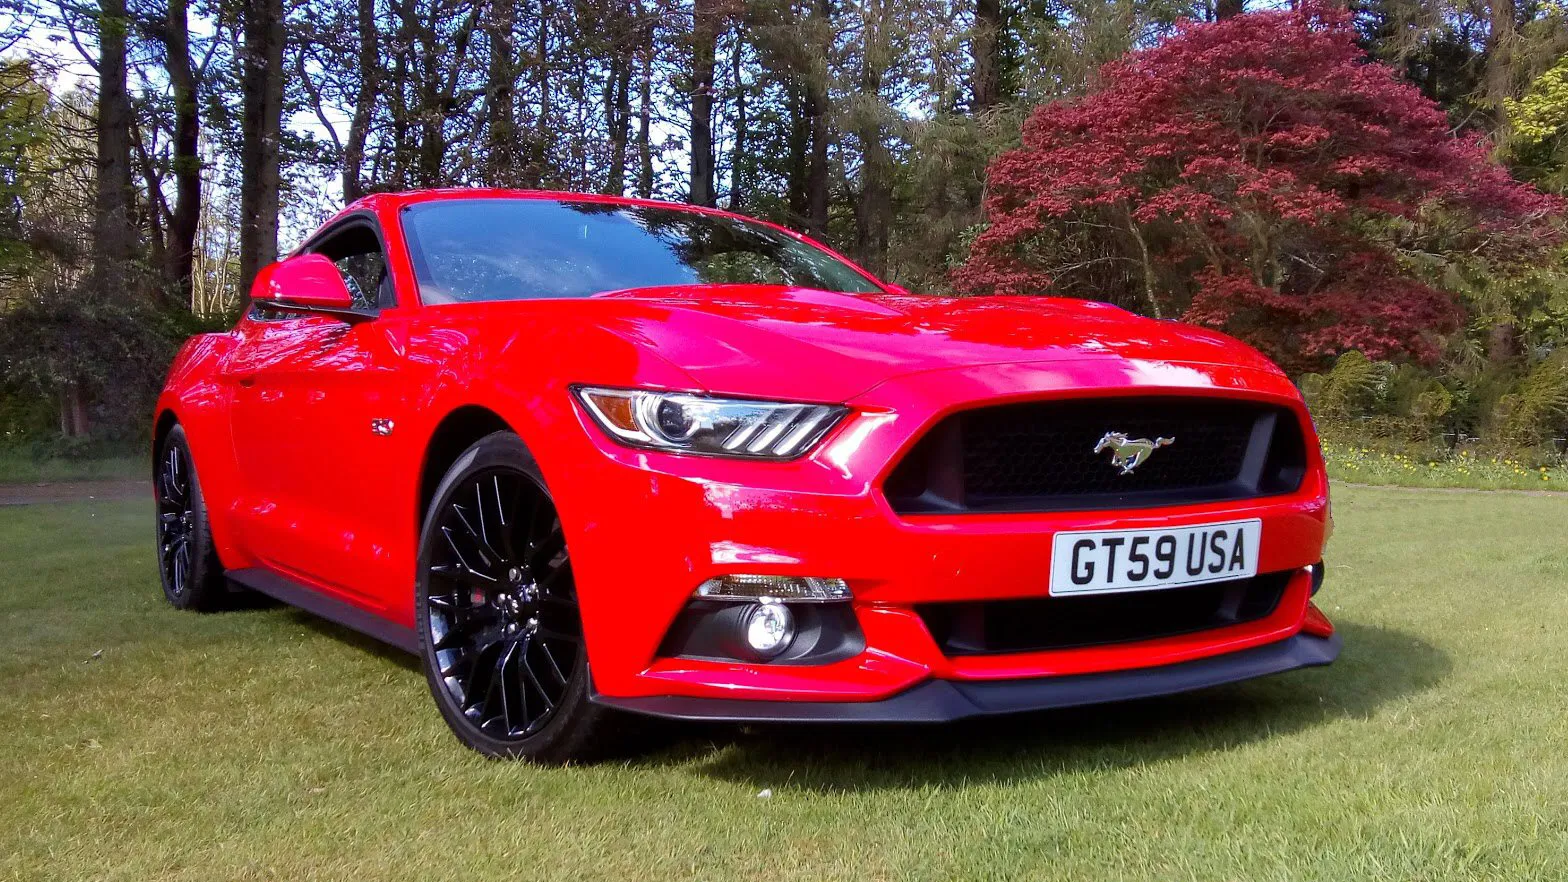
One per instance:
(342, 634)
(1377, 666)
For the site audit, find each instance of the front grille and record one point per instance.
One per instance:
(1046, 623)
(1040, 456)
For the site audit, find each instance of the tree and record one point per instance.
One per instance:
(817, 120)
(261, 87)
(1257, 174)
(114, 232)
(868, 114)
(180, 247)
(368, 67)
(986, 45)
(26, 120)
(704, 40)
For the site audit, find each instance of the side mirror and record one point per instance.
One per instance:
(306, 283)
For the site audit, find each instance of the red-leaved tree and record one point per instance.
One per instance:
(1261, 175)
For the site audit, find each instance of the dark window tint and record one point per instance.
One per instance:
(356, 252)
(518, 249)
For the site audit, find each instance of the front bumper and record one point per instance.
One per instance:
(940, 701)
(645, 529)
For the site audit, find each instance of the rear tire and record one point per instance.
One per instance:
(188, 562)
(496, 613)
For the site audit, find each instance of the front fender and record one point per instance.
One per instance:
(198, 399)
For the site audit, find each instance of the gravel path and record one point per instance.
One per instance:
(73, 491)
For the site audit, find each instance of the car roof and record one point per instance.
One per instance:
(398, 199)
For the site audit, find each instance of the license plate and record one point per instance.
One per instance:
(1107, 561)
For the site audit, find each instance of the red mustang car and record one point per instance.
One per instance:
(590, 456)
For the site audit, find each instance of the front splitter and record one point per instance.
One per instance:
(940, 701)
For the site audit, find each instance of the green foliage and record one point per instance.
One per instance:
(104, 360)
(1543, 111)
(24, 129)
(1354, 386)
(1511, 412)
(1538, 142)
(1536, 412)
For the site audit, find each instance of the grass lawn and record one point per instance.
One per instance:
(144, 743)
(20, 469)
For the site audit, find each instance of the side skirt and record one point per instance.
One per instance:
(330, 608)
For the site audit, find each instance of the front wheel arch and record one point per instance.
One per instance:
(459, 430)
(162, 425)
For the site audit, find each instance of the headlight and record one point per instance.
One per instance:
(683, 422)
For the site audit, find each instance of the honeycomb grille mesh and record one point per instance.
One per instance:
(1048, 450)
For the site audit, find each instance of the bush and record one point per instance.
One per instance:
(1536, 412)
(81, 374)
(1500, 410)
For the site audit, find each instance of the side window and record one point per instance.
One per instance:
(357, 254)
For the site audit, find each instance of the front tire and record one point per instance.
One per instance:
(496, 612)
(188, 562)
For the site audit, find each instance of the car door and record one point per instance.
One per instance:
(315, 401)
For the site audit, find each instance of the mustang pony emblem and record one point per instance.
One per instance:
(1129, 453)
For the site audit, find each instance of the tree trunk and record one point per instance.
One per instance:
(114, 236)
(704, 39)
(645, 119)
(541, 142)
(986, 45)
(738, 151)
(73, 411)
(180, 247)
(799, 150)
(369, 66)
(618, 115)
(1500, 38)
(261, 87)
(402, 48)
(817, 115)
(501, 136)
(431, 151)
(874, 208)
(1229, 8)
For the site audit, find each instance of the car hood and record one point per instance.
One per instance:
(818, 345)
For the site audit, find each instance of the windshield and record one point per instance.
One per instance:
(467, 250)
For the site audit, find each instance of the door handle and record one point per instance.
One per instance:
(246, 380)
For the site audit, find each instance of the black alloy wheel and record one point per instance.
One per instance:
(187, 561)
(176, 519)
(499, 628)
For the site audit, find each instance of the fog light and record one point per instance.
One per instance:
(769, 628)
(792, 588)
